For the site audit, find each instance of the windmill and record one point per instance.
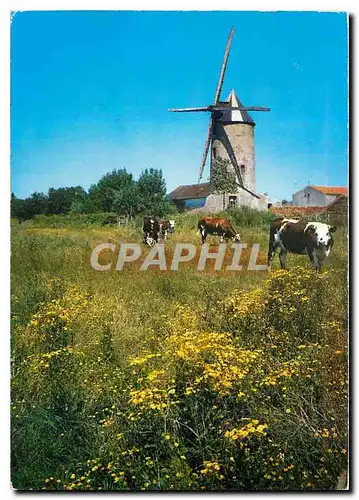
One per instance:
(224, 113)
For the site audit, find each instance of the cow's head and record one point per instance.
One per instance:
(236, 238)
(321, 234)
(150, 241)
(172, 225)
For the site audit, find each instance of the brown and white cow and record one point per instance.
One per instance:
(166, 226)
(300, 237)
(218, 226)
(151, 229)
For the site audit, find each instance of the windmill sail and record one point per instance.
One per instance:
(216, 100)
(206, 148)
(223, 68)
(231, 108)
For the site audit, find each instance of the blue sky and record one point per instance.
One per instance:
(90, 93)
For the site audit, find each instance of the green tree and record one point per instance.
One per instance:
(17, 207)
(126, 201)
(102, 195)
(152, 193)
(60, 200)
(36, 204)
(79, 207)
(223, 180)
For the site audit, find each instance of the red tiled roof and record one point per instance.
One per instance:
(335, 190)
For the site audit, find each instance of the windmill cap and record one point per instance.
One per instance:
(237, 115)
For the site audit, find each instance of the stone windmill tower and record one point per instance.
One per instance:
(233, 139)
(230, 133)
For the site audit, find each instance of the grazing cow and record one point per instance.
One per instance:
(300, 237)
(166, 226)
(151, 229)
(221, 227)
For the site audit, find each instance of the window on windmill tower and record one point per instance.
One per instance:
(232, 202)
(243, 171)
(214, 152)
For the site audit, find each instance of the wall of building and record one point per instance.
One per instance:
(262, 202)
(236, 138)
(315, 199)
(214, 202)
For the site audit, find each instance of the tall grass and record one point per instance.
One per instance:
(174, 380)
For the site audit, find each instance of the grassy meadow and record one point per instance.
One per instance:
(163, 380)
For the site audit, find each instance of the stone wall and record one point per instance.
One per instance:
(236, 139)
(214, 202)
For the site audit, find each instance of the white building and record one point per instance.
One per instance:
(316, 196)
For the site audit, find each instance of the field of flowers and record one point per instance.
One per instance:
(175, 380)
